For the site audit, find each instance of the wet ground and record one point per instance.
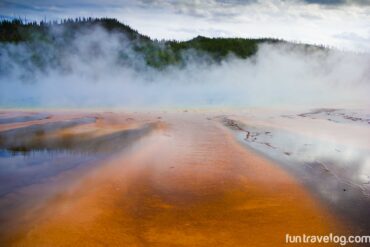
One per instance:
(146, 179)
(328, 150)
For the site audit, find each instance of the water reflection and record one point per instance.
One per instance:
(24, 118)
(30, 154)
(336, 172)
(49, 137)
(19, 169)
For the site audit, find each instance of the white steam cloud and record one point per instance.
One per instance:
(91, 75)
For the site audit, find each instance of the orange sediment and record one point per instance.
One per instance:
(190, 184)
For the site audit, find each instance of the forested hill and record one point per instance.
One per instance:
(156, 53)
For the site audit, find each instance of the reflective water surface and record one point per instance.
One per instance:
(336, 170)
(40, 159)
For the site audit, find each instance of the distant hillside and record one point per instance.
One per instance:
(156, 53)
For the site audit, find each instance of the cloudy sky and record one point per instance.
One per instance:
(344, 24)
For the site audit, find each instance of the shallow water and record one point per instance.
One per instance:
(23, 118)
(40, 161)
(337, 173)
(19, 169)
(33, 153)
(187, 184)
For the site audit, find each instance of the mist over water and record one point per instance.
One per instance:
(89, 72)
(108, 171)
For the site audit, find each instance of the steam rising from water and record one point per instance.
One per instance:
(91, 74)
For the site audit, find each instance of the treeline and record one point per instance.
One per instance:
(157, 54)
(17, 30)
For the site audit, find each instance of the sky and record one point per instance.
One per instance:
(343, 24)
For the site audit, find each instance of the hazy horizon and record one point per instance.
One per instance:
(343, 24)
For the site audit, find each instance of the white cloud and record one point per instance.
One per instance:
(309, 21)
